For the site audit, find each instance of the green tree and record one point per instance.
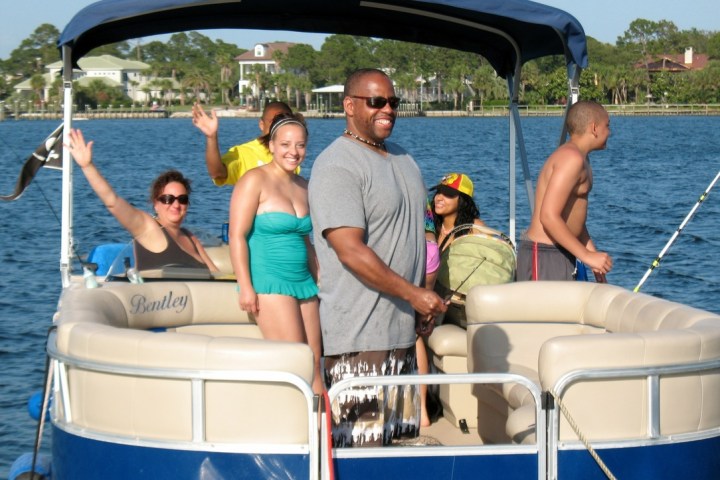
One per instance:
(97, 94)
(225, 62)
(299, 63)
(645, 38)
(120, 50)
(37, 83)
(488, 86)
(198, 82)
(165, 85)
(340, 55)
(34, 52)
(714, 46)
(4, 86)
(410, 62)
(262, 81)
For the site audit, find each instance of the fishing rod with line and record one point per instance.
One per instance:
(446, 299)
(675, 235)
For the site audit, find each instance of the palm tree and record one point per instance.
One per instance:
(133, 88)
(485, 80)
(198, 82)
(225, 62)
(37, 83)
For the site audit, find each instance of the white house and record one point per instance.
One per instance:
(129, 75)
(261, 55)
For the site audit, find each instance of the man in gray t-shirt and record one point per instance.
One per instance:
(367, 203)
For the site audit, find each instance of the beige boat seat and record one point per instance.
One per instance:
(448, 350)
(178, 325)
(220, 256)
(543, 330)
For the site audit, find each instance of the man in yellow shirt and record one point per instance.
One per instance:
(228, 168)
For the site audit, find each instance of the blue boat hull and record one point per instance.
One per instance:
(694, 459)
(506, 467)
(79, 458)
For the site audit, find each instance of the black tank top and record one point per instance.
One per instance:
(172, 255)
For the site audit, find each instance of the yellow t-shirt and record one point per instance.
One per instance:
(241, 158)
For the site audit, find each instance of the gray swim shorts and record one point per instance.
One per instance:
(540, 261)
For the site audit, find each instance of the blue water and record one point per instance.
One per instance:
(652, 173)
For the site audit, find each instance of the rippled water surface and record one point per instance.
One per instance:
(646, 182)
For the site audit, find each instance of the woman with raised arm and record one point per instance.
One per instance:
(159, 240)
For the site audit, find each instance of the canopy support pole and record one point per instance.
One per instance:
(517, 141)
(67, 162)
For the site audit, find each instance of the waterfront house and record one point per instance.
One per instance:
(260, 59)
(131, 76)
(676, 62)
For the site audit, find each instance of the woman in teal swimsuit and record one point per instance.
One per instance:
(270, 249)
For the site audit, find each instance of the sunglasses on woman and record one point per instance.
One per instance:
(168, 199)
(379, 102)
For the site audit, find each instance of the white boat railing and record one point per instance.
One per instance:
(539, 448)
(197, 378)
(652, 374)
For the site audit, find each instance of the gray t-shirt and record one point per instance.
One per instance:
(352, 186)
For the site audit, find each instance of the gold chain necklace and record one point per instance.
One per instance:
(380, 145)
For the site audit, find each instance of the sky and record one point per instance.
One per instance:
(604, 21)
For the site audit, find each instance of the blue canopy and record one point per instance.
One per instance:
(495, 29)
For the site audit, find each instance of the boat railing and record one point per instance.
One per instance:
(62, 411)
(651, 373)
(539, 448)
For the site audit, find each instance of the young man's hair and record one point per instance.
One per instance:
(582, 114)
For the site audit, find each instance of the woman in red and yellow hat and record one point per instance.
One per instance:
(453, 205)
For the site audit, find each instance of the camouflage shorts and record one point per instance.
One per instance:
(372, 416)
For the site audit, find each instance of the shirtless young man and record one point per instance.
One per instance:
(557, 234)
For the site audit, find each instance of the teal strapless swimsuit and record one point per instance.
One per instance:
(278, 255)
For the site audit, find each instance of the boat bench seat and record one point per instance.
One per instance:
(155, 305)
(178, 325)
(220, 255)
(448, 350)
(543, 330)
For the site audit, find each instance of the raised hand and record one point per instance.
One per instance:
(206, 123)
(81, 151)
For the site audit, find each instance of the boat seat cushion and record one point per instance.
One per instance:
(146, 407)
(154, 305)
(581, 325)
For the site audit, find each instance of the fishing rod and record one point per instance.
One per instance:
(689, 216)
(457, 289)
(446, 299)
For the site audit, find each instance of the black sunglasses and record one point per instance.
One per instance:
(379, 102)
(168, 199)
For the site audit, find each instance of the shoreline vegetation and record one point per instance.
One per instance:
(404, 111)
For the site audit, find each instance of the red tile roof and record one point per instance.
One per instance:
(675, 63)
(270, 48)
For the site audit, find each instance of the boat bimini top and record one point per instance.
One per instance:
(507, 33)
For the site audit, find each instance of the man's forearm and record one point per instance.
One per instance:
(216, 169)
